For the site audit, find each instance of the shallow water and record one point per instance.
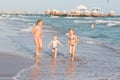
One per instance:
(97, 54)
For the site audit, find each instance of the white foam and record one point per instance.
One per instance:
(21, 19)
(49, 31)
(101, 21)
(31, 23)
(114, 18)
(104, 21)
(67, 34)
(87, 17)
(71, 17)
(77, 21)
(92, 42)
(29, 29)
(26, 29)
(89, 41)
(20, 75)
(1, 17)
(47, 26)
(54, 16)
(5, 16)
(114, 24)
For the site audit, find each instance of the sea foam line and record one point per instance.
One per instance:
(20, 74)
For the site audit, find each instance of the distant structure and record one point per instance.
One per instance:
(111, 13)
(79, 11)
(96, 13)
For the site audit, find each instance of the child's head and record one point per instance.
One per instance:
(39, 22)
(54, 37)
(71, 31)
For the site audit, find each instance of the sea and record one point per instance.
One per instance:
(97, 54)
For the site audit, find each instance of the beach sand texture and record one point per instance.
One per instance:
(10, 65)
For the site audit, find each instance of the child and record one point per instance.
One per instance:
(54, 44)
(37, 35)
(72, 42)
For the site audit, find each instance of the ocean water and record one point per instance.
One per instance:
(97, 53)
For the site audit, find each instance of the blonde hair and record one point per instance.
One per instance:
(54, 36)
(39, 20)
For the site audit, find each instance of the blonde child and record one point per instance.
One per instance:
(54, 42)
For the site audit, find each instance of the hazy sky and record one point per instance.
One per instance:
(42, 5)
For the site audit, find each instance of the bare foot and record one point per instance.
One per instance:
(72, 59)
(38, 56)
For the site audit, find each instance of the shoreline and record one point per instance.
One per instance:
(12, 64)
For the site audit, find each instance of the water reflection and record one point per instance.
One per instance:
(35, 72)
(70, 70)
(53, 68)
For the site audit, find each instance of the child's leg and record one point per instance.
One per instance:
(70, 50)
(36, 48)
(40, 46)
(73, 52)
(53, 52)
(55, 55)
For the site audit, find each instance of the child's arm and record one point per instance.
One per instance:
(60, 44)
(49, 44)
(76, 39)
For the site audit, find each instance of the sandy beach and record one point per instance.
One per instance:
(10, 65)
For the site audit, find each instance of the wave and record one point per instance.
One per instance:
(44, 30)
(91, 42)
(26, 30)
(54, 16)
(4, 16)
(71, 17)
(114, 24)
(94, 42)
(108, 22)
(49, 31)
(113, 18)
(28, 16)
(21, 19)
(23, 73)
(1, 18)
(103, 21)
(111, 48)
(87, 17)
(77, 21)
(104, 45)
(31, 23)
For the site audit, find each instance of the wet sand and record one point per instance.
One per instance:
(10, 65)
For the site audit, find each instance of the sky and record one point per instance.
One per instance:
(68, 5)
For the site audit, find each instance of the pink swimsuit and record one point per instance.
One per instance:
(38, 37)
